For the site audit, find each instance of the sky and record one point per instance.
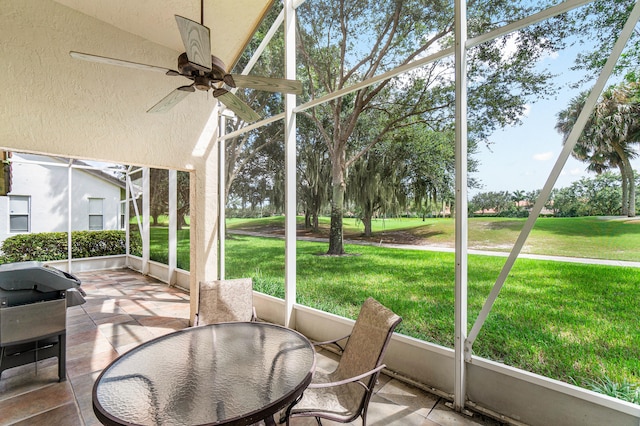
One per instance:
(521, 157)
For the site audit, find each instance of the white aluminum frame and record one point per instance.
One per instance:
(290, 163)
(222, 181)
(570, 143)
(463, 343)
(173, 227)
(461, 219)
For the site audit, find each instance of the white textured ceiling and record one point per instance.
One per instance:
(232, 22)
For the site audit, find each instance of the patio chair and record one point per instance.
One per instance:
(344, 394)
(225, 301)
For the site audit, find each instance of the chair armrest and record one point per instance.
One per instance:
(328, 342)
(353, 379)
(332, 342)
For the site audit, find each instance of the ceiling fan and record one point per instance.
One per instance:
(206, 71)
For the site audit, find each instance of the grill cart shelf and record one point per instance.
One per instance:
(33, 302)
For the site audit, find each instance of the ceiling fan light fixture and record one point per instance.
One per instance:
(202, 83)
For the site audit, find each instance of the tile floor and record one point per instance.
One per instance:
(124, 309)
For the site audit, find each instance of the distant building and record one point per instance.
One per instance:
(523, 205)
(38, 196)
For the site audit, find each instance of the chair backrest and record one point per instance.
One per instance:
(225, 301)
(367, 344)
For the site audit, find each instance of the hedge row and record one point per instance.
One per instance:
(53, 245)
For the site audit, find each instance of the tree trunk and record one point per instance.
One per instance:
(181, 222)
(625, 191)
(628, 205)
(366, 220)
(336, 246)
(307, 219)
(632, 191)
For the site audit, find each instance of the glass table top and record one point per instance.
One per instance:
(230, 373)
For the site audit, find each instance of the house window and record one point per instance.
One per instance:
(19, 209)
(95, 214)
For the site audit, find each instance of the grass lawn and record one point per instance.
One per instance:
(587, 237)
(572, 322)
(159, 250)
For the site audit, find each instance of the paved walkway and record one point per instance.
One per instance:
(452, 250)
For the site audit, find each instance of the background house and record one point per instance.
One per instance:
(38, 200)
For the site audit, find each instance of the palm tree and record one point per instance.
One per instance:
(619, 123)
(606, 141)
(518, 196)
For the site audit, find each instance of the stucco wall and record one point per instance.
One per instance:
(52, 103)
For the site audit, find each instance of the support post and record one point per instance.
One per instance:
(173, 227)
(204, 216)
(69, 214)
(290, 165)
(222, 201)
(128, 197)
(460, 203)
(146, 219)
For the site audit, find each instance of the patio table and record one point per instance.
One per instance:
(219, 374)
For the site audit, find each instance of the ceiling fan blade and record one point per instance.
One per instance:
(236, 105)
(121, 63)
(172, 99)
(197, 42)
(266, 83)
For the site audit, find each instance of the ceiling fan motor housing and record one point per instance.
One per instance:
(202, 79)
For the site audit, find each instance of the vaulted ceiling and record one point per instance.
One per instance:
(54, 104)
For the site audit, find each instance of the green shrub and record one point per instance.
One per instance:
(53, 245)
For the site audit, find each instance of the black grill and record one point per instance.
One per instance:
(33, 302)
